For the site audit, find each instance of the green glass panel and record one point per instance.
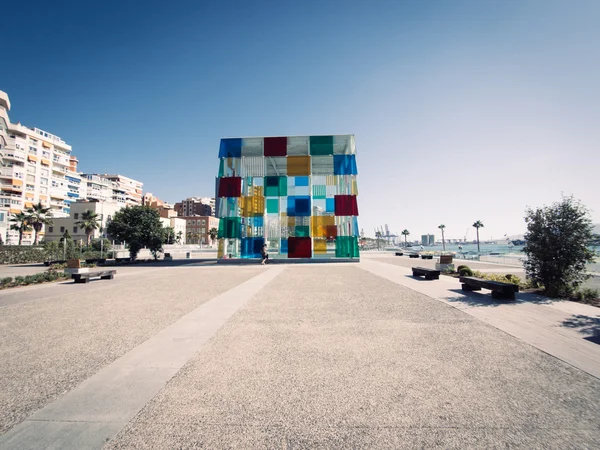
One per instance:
(346, 247)
(275, 186)
(302, 231)
(321, 145)
(230, 228)
(283, 187)
(272, 205)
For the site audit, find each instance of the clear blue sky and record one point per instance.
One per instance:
(462, 110)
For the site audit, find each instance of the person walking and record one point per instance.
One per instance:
(265, 255)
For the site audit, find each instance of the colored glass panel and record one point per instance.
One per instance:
(344, 165)
(230, 187)
(346, 247)
(251, 247)
(230, 148)
(272, 205)
(230, 227)
(319, 246)
(345, 205)
(253, 206)
(321, 145)
(299, 247)
(275, 146)
(298, 206)
(276, 186)
(298, 165)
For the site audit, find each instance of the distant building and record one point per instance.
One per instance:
(106, 211)
(427, 240)
(178, 224)
(166, 210)
(198, 228)
(196, 206)
(123, 190)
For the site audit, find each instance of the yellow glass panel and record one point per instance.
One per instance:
(319, 246)
(253, 206)
(320, 224)
(298, 165)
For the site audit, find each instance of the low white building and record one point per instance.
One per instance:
(106, 210)
(177, 224)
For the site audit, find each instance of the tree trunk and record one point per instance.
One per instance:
(478, 250)
(89, 236)
(443, 241)
(20, 237)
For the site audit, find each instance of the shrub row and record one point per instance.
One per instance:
(42, 277)
(11, 254)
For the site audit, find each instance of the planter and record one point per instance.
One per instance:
(73, 264)
(446, 259)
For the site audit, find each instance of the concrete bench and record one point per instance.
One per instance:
(413, 255)
(85, 276)
(499, 290)
(399, 253)
(429, 274)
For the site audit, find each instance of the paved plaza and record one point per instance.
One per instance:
(355, 355)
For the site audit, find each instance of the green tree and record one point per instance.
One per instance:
(21, 224)
(89, 222)
(179, 237)
(556, 246)
(213, 233)
(442, 227)
(38, 216)
(478, 225)
(138, 227)
(405, 233)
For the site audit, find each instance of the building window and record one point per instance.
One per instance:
(50, 229)
(74, 229)
(76, 216)
(62, 229)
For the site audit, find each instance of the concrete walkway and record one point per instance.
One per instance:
(336, 356)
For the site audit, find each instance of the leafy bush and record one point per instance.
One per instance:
(587, 294)
(462, 266)
(508, 278)
(465, 271)
(556, 246)
(6, 281)
(449, 271)
(19, 280)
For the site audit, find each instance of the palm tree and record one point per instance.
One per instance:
(20, 224)
(441, 227)
(38, 216)
(213, 233)
(478, 225)
(89, 221)
(405, 233)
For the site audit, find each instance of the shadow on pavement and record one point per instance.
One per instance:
(585, 325)
(471, 298)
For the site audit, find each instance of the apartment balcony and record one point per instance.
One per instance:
(13, 154)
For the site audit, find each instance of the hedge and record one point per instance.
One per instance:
(12, 254)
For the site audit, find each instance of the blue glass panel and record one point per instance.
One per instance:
(231, 148)
(301, 181)
(284, 246)
(298, 206)
(344, 165)
(330, 205)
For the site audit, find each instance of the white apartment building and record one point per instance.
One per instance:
(105, 209)
(95, 187)
(123, 190)
(4, 121)
(36, 166)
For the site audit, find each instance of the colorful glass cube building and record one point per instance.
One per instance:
(296, 194)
